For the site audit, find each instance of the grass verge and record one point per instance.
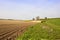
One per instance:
(49, 30)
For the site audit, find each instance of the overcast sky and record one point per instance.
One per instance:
(27, 9)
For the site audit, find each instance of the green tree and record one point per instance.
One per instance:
(45, 17)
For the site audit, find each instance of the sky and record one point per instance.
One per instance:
(28, 9)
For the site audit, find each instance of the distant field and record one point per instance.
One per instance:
(54, 21)
(49, 30)
(10, 21)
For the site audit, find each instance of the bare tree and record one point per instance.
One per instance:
(33, 19)
(37, 18)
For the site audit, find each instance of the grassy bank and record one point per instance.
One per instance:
(49, 30)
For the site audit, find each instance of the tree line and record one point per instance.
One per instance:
(38, 18)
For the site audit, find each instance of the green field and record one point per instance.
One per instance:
(49, 30)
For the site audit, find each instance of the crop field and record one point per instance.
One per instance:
(49, 30)
(9, 29)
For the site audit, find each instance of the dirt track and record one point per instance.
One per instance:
(9, 30)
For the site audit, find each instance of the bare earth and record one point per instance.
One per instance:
(10, 29)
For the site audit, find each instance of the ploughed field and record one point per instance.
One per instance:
(12, 28)
(49, 30)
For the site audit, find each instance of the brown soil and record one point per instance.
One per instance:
(9, 26)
